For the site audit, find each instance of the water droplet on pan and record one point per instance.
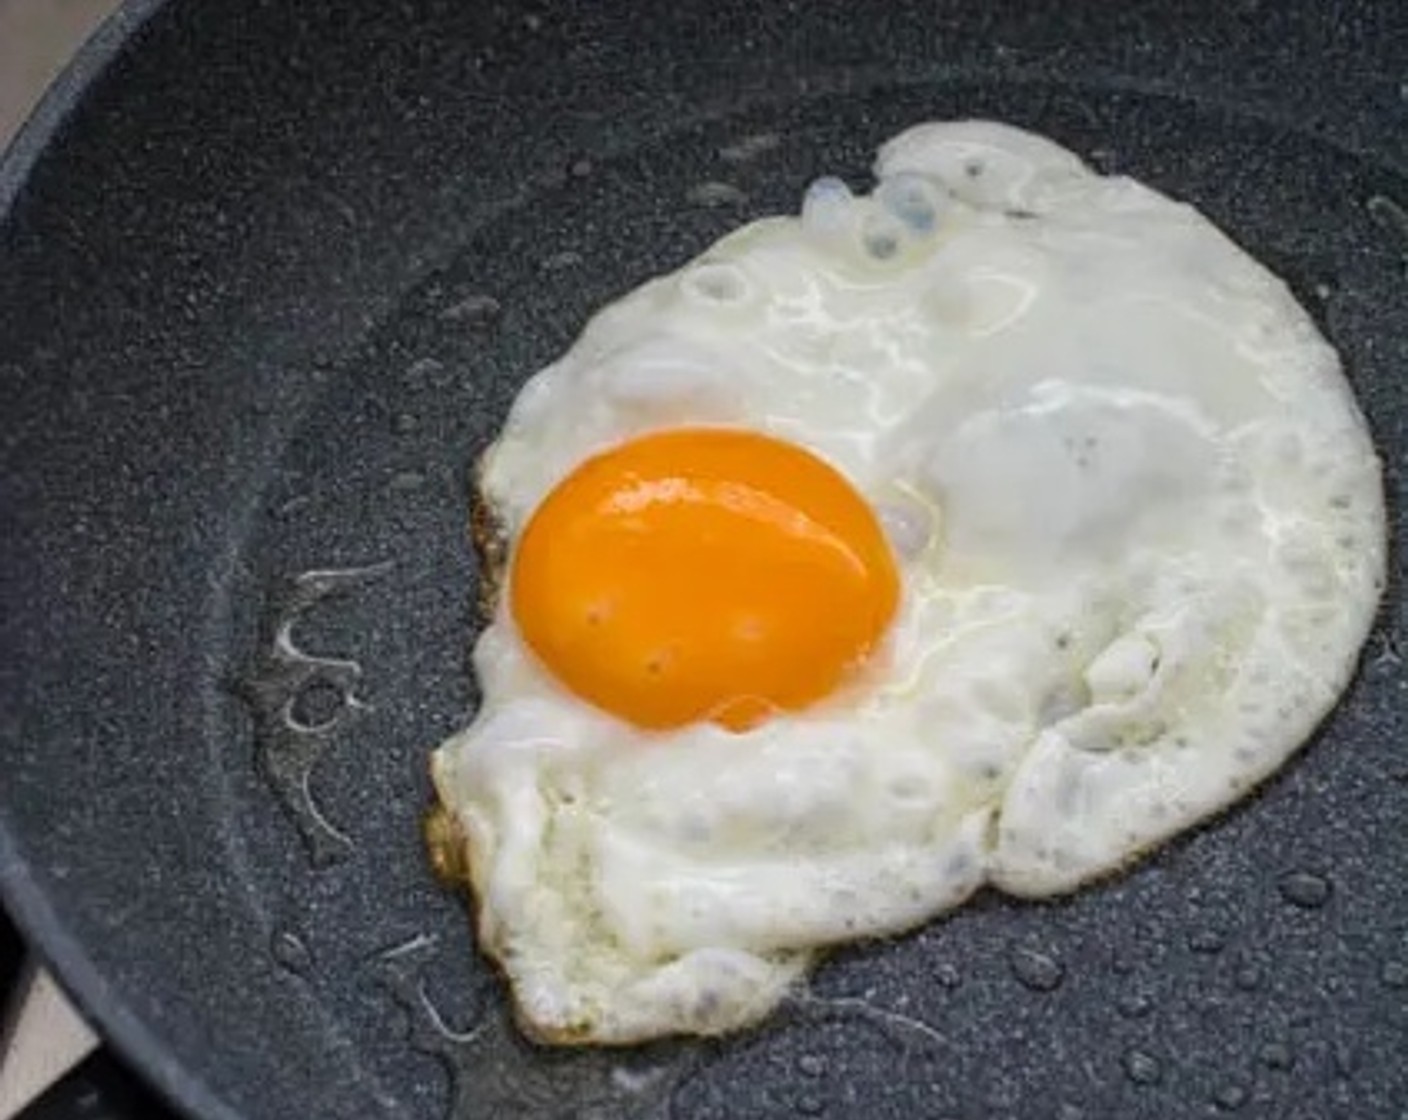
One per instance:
(1230, 1097)
(811, 1065)
(287, 682)
(291, 952)
(1141, 1067)
(1394, 974)
(294, 505)
(1276, 1055)
(1391, 217)
(1134, 1005)
(477, 311)
(1036, 970)
(1305, 889)
(1248, 976)
(713, 194)
(316, 705)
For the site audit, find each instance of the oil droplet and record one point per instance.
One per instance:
(403, 423)
(429, 373)
(1141, 1067)
(904, 1031)
(284, 684)
(293, 505)
(495, 1071)
(1248, 976)
(316, 705)
(1206, 941)
(948, 976)
(750, 147)
(1134, 1005)
(1036, 970)
(407, 480)
(1394, 974)
(1230, 1097)
(881, 235)
(1106, 159)
(634, 1081)
(1305, 889)
(1389, 656)
(811, 1065)
(809, 1105)
(561, 262)
(291, 952)
(580, 168)
(1276, 1055)
(1391, 217)
(713, 194)
(476, 311)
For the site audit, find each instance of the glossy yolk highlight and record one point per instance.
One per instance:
(703, 573)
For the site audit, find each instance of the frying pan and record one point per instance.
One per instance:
(270, 276)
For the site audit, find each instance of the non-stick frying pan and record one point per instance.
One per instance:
(270, 275)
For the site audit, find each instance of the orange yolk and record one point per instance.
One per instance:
(703, 573)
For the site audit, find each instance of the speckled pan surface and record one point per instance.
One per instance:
(270, 275)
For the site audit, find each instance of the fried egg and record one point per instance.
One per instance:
(991, 527)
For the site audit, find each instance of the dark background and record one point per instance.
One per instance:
(101, 1087)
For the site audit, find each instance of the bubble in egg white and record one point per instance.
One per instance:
(908, 525)
(828, 209)
(716, 284)
(662, 375)
(881, 235)
(1139, 525)
(912, 200)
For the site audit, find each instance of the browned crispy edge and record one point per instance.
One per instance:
(446, 844)
(490, 542)
(451, 859)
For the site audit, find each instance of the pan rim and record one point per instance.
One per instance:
(97, 52)
(26, 902)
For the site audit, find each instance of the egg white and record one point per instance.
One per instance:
(1140, 528)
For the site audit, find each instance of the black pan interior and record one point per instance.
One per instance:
(271, 283)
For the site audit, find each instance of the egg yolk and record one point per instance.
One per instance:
(703, 573)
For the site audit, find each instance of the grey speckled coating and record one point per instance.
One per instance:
(270, 274)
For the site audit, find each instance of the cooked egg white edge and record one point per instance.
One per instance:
(1055, 721)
